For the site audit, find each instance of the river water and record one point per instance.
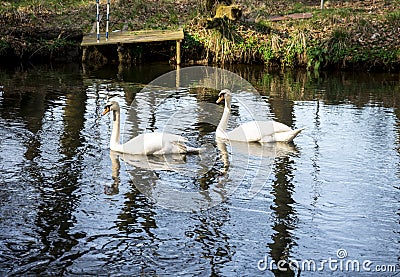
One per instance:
(328, 204)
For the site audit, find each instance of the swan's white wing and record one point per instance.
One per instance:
(155, 143)
(256, 130)
(135, 145)
(246, 132)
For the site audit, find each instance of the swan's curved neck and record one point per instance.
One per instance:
(223, 124)
(115, 137)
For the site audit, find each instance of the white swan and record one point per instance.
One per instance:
(254, 131)
(145, 144)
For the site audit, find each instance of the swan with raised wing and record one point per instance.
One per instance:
(145, 144)
(253, 131)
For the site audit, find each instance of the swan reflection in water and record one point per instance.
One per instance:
(171, 162)
(198, 182)
(250, 164)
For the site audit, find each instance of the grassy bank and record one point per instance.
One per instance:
(346, 34)
(341, 36)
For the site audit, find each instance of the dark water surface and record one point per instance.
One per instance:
(329, 204)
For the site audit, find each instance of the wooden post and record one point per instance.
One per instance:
(178, 77)
(120, 50)
(84, 54)
(178, 52)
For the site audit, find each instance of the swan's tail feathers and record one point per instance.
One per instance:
(185, 149)
(287, 136)
(292, 134)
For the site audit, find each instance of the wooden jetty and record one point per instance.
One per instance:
(143, 36)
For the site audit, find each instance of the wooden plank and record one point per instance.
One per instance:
(133, 37)
(290, 16)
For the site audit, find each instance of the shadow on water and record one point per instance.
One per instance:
(58, 192)
(284, 218)
(52, 112)
(68, 206)
(283, 210)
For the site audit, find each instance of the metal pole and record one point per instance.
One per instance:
(98, 20)
(108, 18)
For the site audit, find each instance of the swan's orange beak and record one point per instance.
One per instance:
(220, 98)
(106, 110)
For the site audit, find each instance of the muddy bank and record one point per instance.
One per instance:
(40, 44)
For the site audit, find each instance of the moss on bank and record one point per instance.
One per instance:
(347, 34)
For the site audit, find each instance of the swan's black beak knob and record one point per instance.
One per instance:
(106, 110)
(220, 98)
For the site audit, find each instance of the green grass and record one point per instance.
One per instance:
(48, 4)
(298, 8)
(393, 18)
